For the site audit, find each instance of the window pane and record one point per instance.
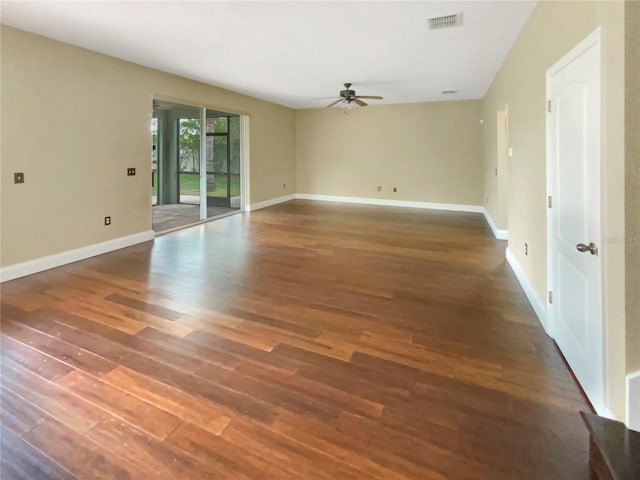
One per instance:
(189, 138)
(216, 124)
(189, 160)
(221, 125)
(219, 154)
(210, 124)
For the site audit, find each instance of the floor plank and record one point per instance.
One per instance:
(81, 456)
(18, 416)
(23, 461)
(207, 415)
(52, 399)
(145, 416)
(159, 459)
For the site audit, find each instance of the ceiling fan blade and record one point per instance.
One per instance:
(334, 103)
(359, 102)
(372, 97)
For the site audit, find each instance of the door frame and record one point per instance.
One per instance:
(203, 164)
(245, 162)
(593, 39)
(160, 119)
(502, 170)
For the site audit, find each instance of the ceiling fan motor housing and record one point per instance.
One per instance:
(347, 93)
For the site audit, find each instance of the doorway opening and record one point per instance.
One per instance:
(503, 154)
(194, 180)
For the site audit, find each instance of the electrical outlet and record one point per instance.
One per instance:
(18, 177)
(131, 172)
(395, 189)
(107, 220)
(379, 188)
(526, 248)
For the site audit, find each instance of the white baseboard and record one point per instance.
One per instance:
(604, 411)
(367, 201)
(538, 306)
(36, 265)
(268, 203)
(499, 234)
(633, 401)
(392, 203)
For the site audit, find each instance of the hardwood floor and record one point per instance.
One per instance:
(303, 341)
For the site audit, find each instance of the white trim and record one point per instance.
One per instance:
(270, 202)
(36, 265)
(245, 190)
(538, 306)
(605, 412)
(499, 234)
(632, 415)
(392, 203)
(203, 165)
(367, 201)
(594, 38)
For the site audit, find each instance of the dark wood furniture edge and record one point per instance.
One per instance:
(600, 462)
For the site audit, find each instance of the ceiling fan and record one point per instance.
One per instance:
(347, 96)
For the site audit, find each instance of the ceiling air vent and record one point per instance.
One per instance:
(453, 20)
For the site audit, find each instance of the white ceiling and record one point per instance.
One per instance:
(292, 52)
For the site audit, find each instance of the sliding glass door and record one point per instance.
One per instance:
(193, 180)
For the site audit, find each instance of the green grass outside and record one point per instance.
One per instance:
(190, 185)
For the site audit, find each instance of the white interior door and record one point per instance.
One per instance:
(575, 306)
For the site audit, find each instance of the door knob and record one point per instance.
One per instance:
(591, 248)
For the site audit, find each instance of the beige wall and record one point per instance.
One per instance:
(74, 120)
(552, 30)
(430, 151)
(632, 204)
